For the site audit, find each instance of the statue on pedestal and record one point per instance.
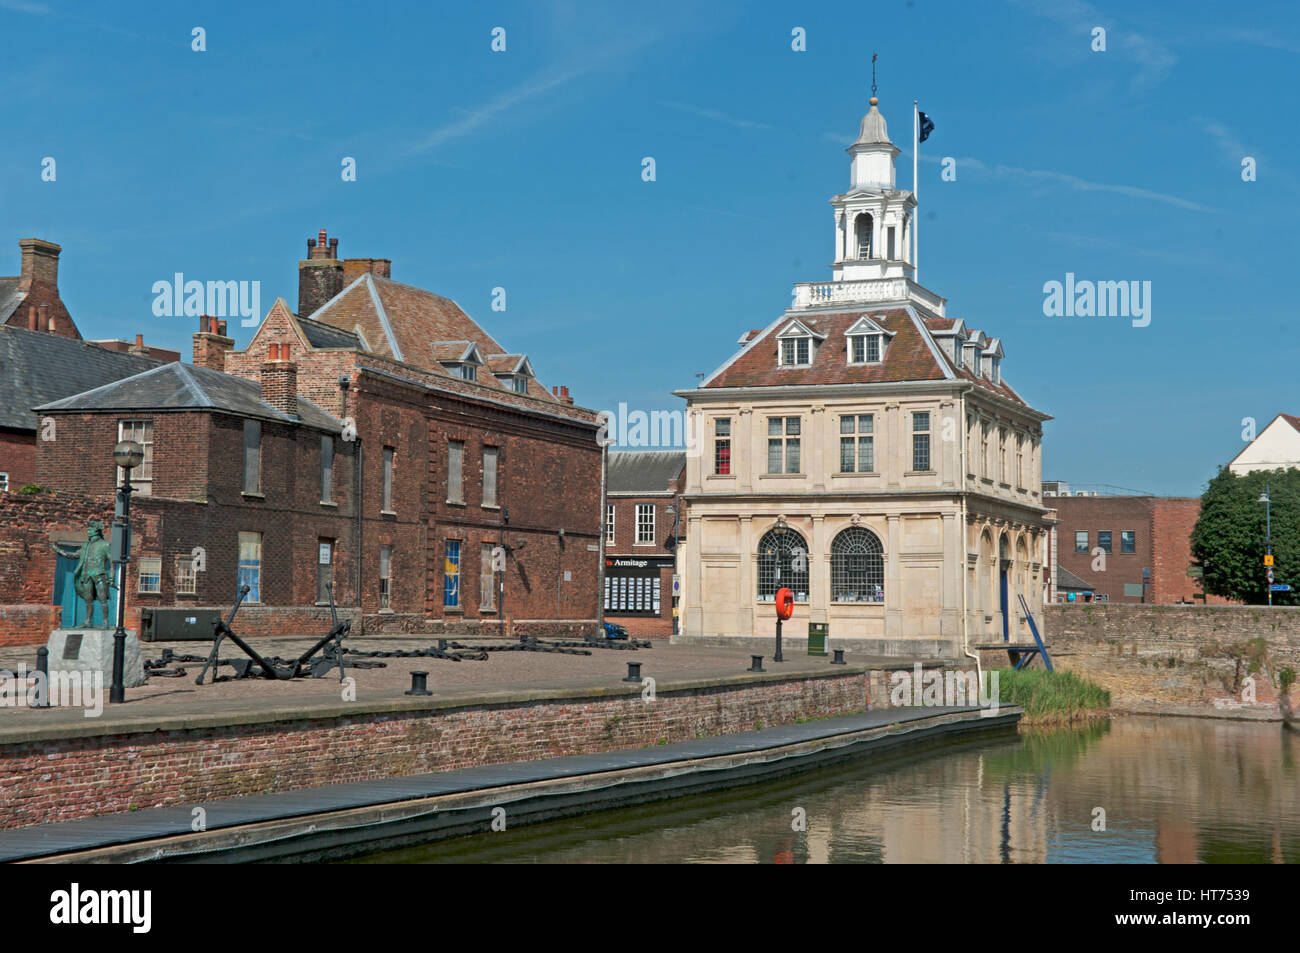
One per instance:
(91, 578)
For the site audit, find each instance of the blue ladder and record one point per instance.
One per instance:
(1023, 657)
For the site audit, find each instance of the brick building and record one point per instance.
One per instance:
(31, 298)
(643, 529)
(1129, 548)
(43, 358)
(381, 440)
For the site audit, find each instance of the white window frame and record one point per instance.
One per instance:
(645, 524)
(187, 577)
(155, 563)
(795, 346)
(142, 475)
(609, 524)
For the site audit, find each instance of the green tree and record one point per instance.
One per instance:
(1228, 541)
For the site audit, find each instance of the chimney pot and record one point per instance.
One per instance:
(139, 340)
(31, 318)
(46, 322)
(221, 328)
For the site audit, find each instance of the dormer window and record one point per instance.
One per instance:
(459, 358)
(797, 344)
(796, 351)
(867, 341)
(512, 371)
(864, 349)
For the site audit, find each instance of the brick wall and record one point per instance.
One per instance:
(49, 781)
(18, 457)
(1170, 655)
(1163, 529)
(27, 559)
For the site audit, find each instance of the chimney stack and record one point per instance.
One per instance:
(354, 268)
(43, 319)
(564, 395)
(280, 380)
(40, 263)
(320, 274)
(211, 344)
(138, 347)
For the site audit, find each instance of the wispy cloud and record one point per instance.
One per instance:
(716, 116)
(24, 6)
(1263, 38)
(1154, 60)
(1140, 251)
(536, 87)
(474, 120)
(1073, 182)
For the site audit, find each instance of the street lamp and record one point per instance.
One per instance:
(781, 528)
(1268, 517)
(128, 455)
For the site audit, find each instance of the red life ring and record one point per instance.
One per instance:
(784, 604)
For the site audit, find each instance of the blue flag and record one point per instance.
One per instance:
(926, 127)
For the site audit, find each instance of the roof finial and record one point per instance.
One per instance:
(873, 78)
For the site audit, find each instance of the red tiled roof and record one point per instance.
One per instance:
(1293, 421)
(908, 356)
(416, 321)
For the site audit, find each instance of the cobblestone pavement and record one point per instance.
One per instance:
(501, 672)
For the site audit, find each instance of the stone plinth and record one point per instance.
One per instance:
(91, 650)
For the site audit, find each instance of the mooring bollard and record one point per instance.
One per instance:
(43, 667)
(839, 658)
(633, 672)
(756, 664)
(418, 686)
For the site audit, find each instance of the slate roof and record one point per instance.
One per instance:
(177, 386)
(912, 354)
(403, 322)
(10, 296)
(327, 336)
(1068, 580)
(37, 367)
(643, 471)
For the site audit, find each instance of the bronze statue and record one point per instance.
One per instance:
(91, 578)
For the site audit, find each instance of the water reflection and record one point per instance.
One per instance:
(1173, 791)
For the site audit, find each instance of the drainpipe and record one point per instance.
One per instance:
(600, 575)
(965, 587)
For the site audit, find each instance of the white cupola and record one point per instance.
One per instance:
(873, 219)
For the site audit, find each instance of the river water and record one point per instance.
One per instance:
(1173, 790)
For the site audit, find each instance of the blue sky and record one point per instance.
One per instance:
(522, 170)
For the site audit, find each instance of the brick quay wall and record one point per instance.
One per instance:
(59, 774)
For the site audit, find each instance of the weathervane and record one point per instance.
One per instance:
(873, 77)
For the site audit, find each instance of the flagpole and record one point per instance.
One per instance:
(916, 218)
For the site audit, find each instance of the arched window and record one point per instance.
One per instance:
(782, 564)
(862, 233)
(857, 567)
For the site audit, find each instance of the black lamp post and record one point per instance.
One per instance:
(128, 455)
(781, 527)
(1268, 540)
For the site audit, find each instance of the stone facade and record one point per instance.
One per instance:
(864, 451)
